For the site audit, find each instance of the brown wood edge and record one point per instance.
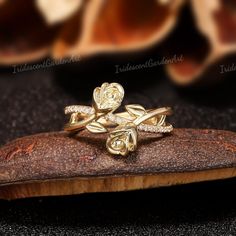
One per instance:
(81, 185)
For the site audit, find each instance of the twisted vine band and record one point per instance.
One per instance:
(100, 116)
(111, 119)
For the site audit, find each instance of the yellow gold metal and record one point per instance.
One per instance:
(106, 98)
(99, 117)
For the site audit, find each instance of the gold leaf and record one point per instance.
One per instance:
(135, 110)
(96, 127)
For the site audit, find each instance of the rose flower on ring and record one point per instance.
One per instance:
(122, 140)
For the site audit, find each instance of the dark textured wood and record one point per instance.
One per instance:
(57, 164)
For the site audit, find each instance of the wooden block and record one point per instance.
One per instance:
(55, 163)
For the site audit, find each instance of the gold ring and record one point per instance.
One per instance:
(100, 116)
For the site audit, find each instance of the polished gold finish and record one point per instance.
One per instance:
(106, 98)
(100, 117)
(123, 139)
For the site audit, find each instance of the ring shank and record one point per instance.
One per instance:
(109, 120)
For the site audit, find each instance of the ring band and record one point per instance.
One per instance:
(100, 116)
(119, 118)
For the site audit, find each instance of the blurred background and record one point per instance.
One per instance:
(178, 53)
(194, 40)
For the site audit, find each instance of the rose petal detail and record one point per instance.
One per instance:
(108, 97)
(122, 140)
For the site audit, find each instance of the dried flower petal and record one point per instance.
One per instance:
(55, 11)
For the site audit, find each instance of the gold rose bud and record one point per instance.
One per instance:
(122, 140)
(108, 97)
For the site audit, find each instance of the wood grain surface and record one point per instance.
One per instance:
(58, 164)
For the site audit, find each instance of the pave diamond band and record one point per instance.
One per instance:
(115, 118)
(79, 109)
